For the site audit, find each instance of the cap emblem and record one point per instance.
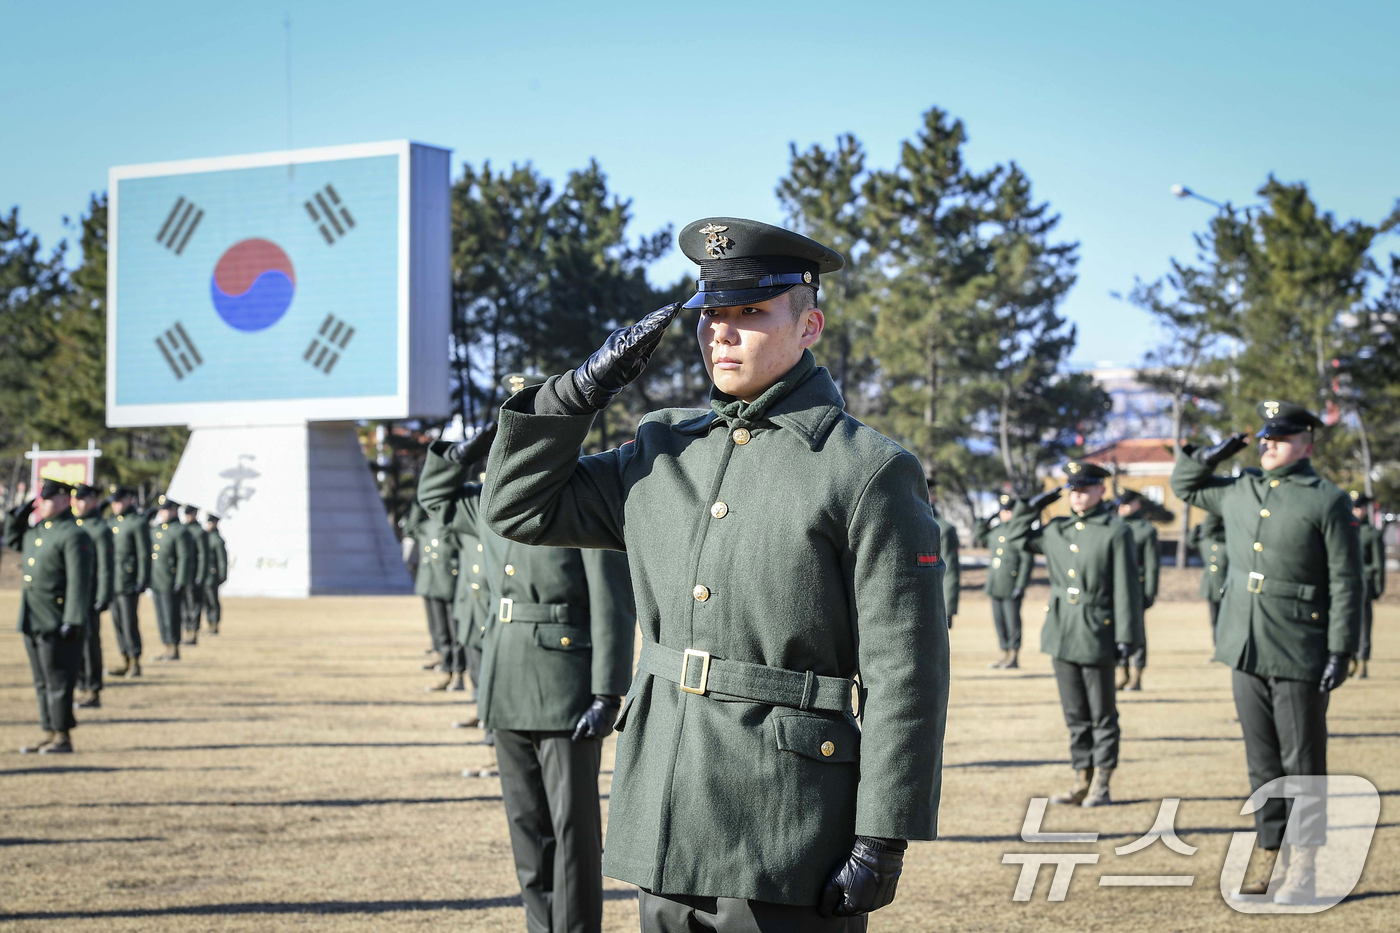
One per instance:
(1074, 468)
(1271, 409)
(1355, 494)
(715, 243)
(516, 384)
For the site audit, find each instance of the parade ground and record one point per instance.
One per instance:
(292, 773)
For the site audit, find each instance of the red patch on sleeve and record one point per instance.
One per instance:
(927, 560)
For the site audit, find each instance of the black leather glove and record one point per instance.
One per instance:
(66, 631)
(101, 605)
(1017, 594)
(178, 591)
(1147, 601)
(597, 721)
(1125, 651)
(1334, 673)
(622, 357)
(22, 510)
(866, 881)
(1212, 457)
(471, 451)
(1038, 503)
(950, 623)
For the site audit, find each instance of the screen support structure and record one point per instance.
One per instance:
(298, 510)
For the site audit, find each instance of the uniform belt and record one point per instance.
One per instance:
(699, 672)
(1269, 586)
(1077, 597)
(512, 610)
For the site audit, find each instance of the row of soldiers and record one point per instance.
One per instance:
(76, 564)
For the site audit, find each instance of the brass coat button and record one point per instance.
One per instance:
(48, 524)
(1215, 547)
(59, 600)
(478, 548)
(1314, 616)
(31, 562)
(155, 557)
(1079, 526)
(80, 522)
(1001, 539)
(1074, 548)
(1213, 568)
(999, 550)
(828, 749)
(28, 578)
(565, 641)
(435, 542)
(38, 541)
(1107, 621)
(1258, 546)
(1071, 573)
(510, 570)
(1263, 513)
(476, 586)
(156, 546)
(741, 436)
(476, 568)
(701, 592)
(159, 534)
(719, 510)
(1273, 483)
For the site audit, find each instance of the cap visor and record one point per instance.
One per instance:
(732, 298)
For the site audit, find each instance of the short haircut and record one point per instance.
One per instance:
(801, 298)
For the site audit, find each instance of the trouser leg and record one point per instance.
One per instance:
(1000, 611)
(1263, 757)
(474, 667)
(1074, 703)
(194, 606)
(1013, 623)
(532, 840)
(458, 631)
(1214, 619)
(1366, 609)
(167, 616)
(124, 623)
(91, 676)
(118, 629)
(569, 771)
(1139, 656)
(213, 610)
(1300, 720)
(684, 913)
(56, 663)
(1103, 713)
(439, 628)
(40, 675)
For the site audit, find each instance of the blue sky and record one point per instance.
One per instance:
(690, 109)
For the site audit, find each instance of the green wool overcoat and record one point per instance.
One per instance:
(1209, 538)
(1373, 555)
(564, 625)
(1095, 591)
(217, 570)
(437, 555)
(131, 544)
(1010, 569)
(472, 603)
(790, 554)
(57, 564)
(1295, 587)
(103, 554)
(199, 540)
(1148, 554)
(952, 572)
(173, 558)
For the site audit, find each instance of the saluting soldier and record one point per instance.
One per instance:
(172, 572)
(554, 667)
(1092, 622)
(87, 509)
(192, 606)
(471, 606)
(1007, 576)
(215, 572)
(1373, 562)
(952, 573)
(779, 548)
(131, 565)
(1209, 539)
(436, 582)
(55, 602)
(1149, 563)
(1290, 619)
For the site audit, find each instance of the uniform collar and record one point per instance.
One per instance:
(810, 411)
(1301, 471)
(1097, 513)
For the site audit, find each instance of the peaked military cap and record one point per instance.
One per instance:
(54, 487)
(84, 491)
(1006, 500)
(1284, 418)
(1128, 495)
(191, 510)
(516, 382)
(743, 262)
(1359, 498)
(1084, 473)
(166, 503)
(117, 491)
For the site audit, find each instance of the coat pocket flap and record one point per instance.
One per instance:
(818, 738)
(562, 637)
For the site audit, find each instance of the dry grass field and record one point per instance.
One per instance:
(292, 773)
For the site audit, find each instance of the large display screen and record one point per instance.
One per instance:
(275, 287)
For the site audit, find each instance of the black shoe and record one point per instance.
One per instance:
(91, 701)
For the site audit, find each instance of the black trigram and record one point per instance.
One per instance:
(326, 208)
(179, 350)
(179, 225)
(324, 351)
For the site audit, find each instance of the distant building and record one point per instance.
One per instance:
(1138, 410)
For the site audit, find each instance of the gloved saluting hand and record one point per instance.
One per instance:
(1125, 651)
(597, 721)
(1214, 456)
(1038, 503)
(471, 451)
(1334, 673)
(622, 357)
(866, 881)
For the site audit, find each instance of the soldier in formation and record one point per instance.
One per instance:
(952, 572)
(173, 562)
(131, 576)
(87, 511)
(556, 661)
(1008, 573)
(1149, 563)
(436, 582)
(1208, 537)
(471, 609)
(1290, 619)
(779, 548)
(55, 606)
(192, 596)
(1092, 622)
(1373, 560)
(215, 572)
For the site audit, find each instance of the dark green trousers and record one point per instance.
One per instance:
(550, 787)
(1367, 608)
(1285, 732)
(125, 624)
(1006, 616)
(1214, 618)
(193, 608)
(90, 675)
(55, 663)
(213, 611)
(684, 913)
(168, 613)
(1090, 705)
